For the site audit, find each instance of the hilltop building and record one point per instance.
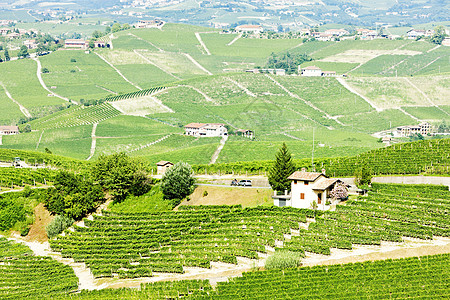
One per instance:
(423, 128)
(336, 32)
(366, 34)
(205, 130)
(30, 44)
(307, 187)
(245, 133)
(249, 28)
(149, 24)
(76, 44)
(415, 33)
(446, 41)
(9, 130)
(163, 166)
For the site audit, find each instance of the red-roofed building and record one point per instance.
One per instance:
(250, 28)
(206, 130)
(76, 44)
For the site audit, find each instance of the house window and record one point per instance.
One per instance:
(319, 198)
(306, 182)
(295, 181)
(302, 195)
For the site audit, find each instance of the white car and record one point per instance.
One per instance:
(245, 183)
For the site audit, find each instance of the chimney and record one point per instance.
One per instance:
(303, 169)
(323, 171)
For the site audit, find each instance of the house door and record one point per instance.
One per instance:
(319, 198)
(281, 203)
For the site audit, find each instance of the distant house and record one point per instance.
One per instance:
(4, 31)
(386, 140)
(446, 42)
(281, 72)
(307, 187)
(206, 130)
(76, 43)
(149, 24)
(312, 71)
(9, 130)
(414, 33)
(163, 166)
(30, 44)
(13, 35)
(245, 133)
(336, 32)
(249, 28)
(366, 34)
(324, 37)
(423, 128)
(305, 31)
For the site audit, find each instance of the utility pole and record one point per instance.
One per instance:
(312, 155)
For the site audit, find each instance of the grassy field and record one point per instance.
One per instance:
(10, 112)
(19, 78)
(89, 77)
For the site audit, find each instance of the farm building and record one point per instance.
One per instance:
(310, 71)
(9, 130)
(423, 128)
(206, 130)
(336, 32)
(76, 43)
(12, 35)
(4, 31)
(250, 28)
(245, 133)
(30, 44)
(307, 187)
(163, 166)
(386, 140)
(149, 24)
(366, 34)
(446, 41)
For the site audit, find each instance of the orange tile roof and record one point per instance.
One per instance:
(195, 125)
(324, 184)
(307, 176)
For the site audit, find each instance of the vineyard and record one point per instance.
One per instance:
(132, 245)
(430, 156)
(24, 276)
(136, 94)
(76, 116)
(10, 177)
(33, 158)
(136, 245)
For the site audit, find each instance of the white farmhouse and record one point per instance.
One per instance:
(307, 187)
(311, 71)
(9, 130)
(250, 28)
(206, 130)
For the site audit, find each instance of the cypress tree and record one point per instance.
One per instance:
(282, 168)
(7, 58)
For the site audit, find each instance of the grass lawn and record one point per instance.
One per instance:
(230, 196)
(89, 77)
(9, 112)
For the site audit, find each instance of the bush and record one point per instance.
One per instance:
(205, 193)
(45, 70)
(284, 260)
(73, 60)
(178, 182)
(58, 224)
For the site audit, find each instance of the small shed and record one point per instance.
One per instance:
(162, 167)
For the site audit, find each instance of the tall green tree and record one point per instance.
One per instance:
(282, 168)
(178, 182)
(23, 52)
(439, 35)
(7, 58)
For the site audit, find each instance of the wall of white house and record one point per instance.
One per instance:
(298, 187)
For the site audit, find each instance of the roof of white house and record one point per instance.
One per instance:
(311, 68)
(248, 26)
(13, 128)
(324, 184)
(163, 163)
(195, 125)
(306, 176)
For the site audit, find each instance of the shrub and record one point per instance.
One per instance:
(205, 193)
(57, 225)
(284, 260)
(45, 70)
(178, 182)
(73, 60)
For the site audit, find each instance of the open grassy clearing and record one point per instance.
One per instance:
(19, 78)
(244, 150)
(71, 142)
(348, 45)
(396, 92)
(86, 78)
(141, 106)
(10, 112)
(377, 121)
(173, 37)
(109, 146)
(123, 126)
(230, 196)
(428, 113)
